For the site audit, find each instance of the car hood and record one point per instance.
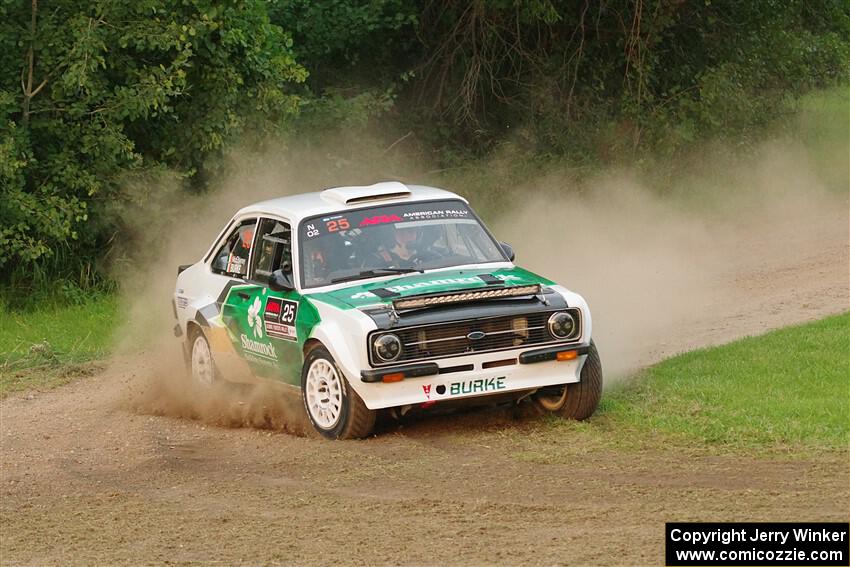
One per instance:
(360, 294)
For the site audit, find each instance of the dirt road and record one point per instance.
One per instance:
(89, 478)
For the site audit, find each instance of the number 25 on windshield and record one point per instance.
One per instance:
(341, 224)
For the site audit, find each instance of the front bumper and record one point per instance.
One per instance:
(472, 376)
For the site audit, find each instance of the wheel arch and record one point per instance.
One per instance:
(192, 329)
(311, 344)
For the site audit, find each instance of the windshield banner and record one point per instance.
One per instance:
(392, 214)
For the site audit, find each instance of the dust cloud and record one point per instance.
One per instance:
(664, 273)
(161, 386)
(164, 238)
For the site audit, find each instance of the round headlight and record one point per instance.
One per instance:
(387, 347)
(562, 324)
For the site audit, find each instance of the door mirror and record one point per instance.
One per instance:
(281, 281)
(508, 250)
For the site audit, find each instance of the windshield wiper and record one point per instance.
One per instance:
(377, 272)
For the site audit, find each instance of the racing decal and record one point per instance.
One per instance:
(279, 318)
(433, 283)
(337, 225)
(236, 264)
(436, 214)
(379, 219)
(360, 295)
(264, 350)
(476, 386)
(267, 329)
(388, 214)
(427, 389)
(310, 230)
(254, 321)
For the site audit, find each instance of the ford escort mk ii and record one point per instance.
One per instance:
(383, 297)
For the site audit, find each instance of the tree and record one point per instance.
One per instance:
(92, 92)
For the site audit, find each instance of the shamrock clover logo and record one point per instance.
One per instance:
(254, 320)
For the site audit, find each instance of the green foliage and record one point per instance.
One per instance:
(330, 36)
(90, 92)
(109, 106)
(609, 79)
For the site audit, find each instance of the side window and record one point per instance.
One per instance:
(232, 258)
(274, 249)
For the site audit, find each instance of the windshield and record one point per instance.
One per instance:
(392, 239)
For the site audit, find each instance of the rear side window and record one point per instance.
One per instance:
(232, 258)
(274, 250)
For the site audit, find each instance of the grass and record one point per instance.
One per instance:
(788, 387)
(47, 346)
(786, 392)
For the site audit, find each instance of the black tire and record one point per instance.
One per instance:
(198, 347)
(353, 421)
(582, 397)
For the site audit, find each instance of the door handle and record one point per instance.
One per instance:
(243, 295)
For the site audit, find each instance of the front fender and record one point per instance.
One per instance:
(343, 332)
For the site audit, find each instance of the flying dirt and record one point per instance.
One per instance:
(132, 465)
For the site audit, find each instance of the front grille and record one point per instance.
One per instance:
(443, 340)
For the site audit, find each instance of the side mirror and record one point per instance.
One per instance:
(281, 281)
(508, 250)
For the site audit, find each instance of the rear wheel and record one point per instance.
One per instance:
(334, 409)
(580, 399)
(201, 361)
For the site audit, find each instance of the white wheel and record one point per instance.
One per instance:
(323, 393)
(203, 369)
(334, 409)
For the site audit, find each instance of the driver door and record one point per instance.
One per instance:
(268, 327)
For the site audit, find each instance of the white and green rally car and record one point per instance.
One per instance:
(387, 296)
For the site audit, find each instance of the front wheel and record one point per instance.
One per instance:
(334, 409)
(578, 400)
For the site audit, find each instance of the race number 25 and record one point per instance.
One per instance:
(288, 315)
(335, 225)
